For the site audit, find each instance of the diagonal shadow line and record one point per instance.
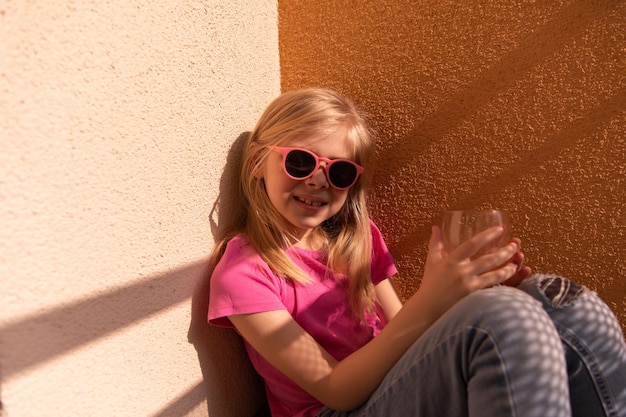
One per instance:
(570, 136)
(185, 403)
(53, 333)
(535, 48)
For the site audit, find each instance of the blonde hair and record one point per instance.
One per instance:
(295, 114)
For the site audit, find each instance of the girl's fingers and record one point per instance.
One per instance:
(435, 244)
(496, 276)
(470, 247)
(498, 258)
(472, 274)
(521, 274)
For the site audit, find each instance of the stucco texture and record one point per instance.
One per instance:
(116, 121)
(516, 105)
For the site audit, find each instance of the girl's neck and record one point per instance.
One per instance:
(313, 239)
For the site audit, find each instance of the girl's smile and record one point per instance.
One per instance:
(312, 204)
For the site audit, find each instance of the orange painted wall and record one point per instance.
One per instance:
(511, 105)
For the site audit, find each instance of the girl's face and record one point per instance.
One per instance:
(307, 203)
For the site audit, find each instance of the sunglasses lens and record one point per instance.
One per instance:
(299, 164)
(342, 174)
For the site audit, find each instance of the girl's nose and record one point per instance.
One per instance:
(318, 179)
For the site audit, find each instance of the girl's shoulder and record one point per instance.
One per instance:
(242, 283)
(241, 260)
(239, 248)
(375, 231)
(239, 241)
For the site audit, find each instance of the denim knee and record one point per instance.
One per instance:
(508, 334)
(516, 322)
(572, 305)
(553, 290)
(506, 309)
(593, 344)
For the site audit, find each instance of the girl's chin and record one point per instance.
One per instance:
(304, 226)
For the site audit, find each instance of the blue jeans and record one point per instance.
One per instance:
(552, 349)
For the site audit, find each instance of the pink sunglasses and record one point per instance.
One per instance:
(300, 164)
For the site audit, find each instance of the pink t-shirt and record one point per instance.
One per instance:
(243, 283)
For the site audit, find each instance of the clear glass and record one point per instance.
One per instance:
(460, 225)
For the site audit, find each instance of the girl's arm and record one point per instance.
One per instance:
(388, 298)
(346, 384)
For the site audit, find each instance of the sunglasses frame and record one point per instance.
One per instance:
(284, 151)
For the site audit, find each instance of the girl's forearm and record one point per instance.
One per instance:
(354, 379)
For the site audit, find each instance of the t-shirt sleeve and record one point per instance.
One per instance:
(242, 283)
(383, 263)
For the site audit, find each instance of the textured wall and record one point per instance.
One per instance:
(518, 105)
(117, 118)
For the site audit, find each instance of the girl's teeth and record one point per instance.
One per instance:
(310, 203)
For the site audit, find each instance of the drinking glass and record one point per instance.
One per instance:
(460, 225)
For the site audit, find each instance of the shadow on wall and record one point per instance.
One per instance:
(572, 135)
(414, 149)
(230, 386)
(22, 347)
(21, 340)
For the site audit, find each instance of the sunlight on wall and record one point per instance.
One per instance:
(117, 118)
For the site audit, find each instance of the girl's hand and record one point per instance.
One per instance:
(450, 277)
(523, 272)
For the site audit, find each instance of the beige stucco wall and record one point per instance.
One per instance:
(116, 121)
(518, 105)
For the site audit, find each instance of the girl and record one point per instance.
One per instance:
(305, 277)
